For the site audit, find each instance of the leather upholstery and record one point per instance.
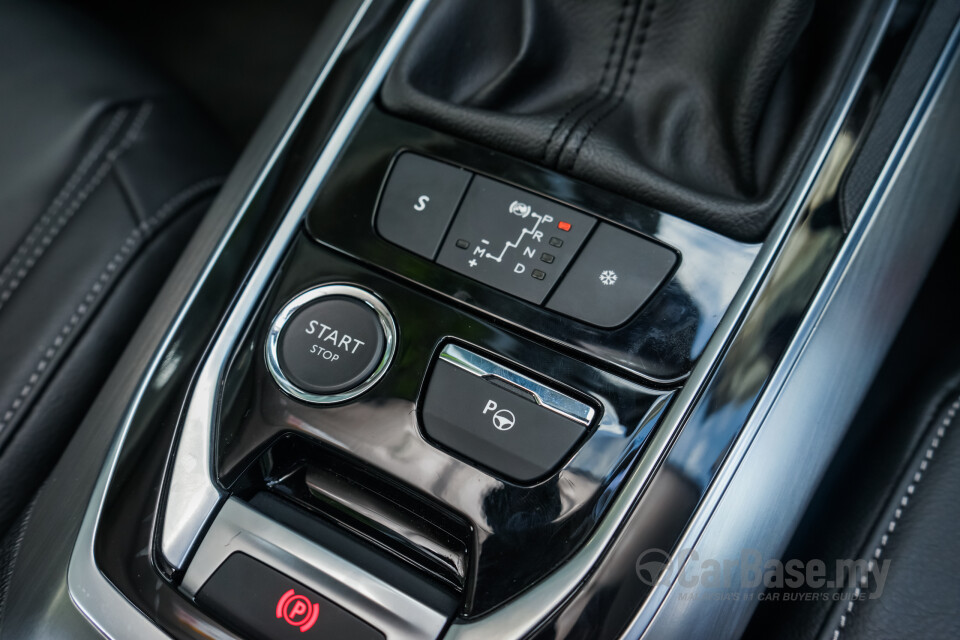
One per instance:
(700, 108)
(916, 533)
(891, 496)
(104, 171)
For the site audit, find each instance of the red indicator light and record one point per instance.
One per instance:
(564, 226)
(298, 611)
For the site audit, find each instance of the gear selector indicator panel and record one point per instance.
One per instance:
(513, 240)
(521, 243)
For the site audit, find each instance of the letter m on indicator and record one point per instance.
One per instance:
(298, 611)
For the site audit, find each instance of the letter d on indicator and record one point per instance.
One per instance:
(520, 268)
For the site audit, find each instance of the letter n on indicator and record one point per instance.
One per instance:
(298, 611)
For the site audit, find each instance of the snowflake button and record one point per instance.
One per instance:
(608, 277)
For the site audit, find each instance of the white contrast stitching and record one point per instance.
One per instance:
(140, 233)
(57, 224)
(898, 513)
(72, 183)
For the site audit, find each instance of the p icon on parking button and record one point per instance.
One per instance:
(503, 419)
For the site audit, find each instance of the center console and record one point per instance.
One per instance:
(428, 386)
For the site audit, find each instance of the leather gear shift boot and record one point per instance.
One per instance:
(700, 108)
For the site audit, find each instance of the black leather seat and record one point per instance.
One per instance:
(104, 173)
(891, 500)
(915, 537)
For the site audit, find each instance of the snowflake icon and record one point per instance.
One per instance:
(608, 277)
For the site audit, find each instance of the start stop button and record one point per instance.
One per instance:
(330, 343)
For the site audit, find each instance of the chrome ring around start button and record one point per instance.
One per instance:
(272, 347)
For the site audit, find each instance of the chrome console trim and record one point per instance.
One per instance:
(844, 326)
(308, 296)
(240, 529)
(546, 397)
(192, 493)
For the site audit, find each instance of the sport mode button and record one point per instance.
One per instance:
(330, 343)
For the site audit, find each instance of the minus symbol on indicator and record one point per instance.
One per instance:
(564, 226)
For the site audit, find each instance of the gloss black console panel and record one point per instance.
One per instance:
(517, 531)
(659, 343)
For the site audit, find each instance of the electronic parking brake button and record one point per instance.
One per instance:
(500, 419)
(265, 604)
(330, 343)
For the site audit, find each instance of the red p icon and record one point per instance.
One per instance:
(297, 611)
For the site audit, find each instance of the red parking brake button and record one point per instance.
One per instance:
(298, 611)
(261, 603)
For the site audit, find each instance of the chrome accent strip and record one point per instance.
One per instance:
(841, 324)
(308, 296)
(546, 397)
(95, 597)
(192, 494)
(239, 528)
(514, 619)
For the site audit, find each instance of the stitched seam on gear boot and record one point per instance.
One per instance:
(617, 76)
(593, 98)
(567, 161)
